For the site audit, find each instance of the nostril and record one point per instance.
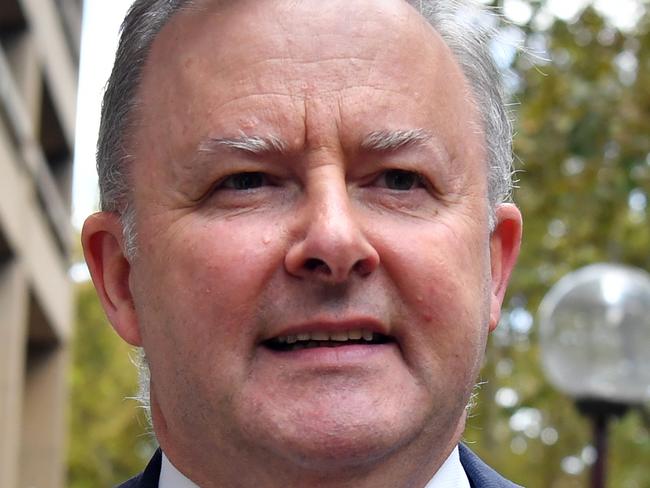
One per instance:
(312, 264)
(365, 266)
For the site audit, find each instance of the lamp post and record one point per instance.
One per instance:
(595, 344)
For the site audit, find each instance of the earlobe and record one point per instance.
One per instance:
(101, 238)
(504, 250)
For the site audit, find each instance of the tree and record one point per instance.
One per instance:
(583, 127)
(106, 427)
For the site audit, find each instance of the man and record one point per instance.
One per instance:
(304, 228)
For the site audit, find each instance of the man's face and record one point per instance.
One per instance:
(305, 173)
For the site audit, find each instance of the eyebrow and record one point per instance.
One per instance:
(378, 141)
(391, 140)
(256, 145)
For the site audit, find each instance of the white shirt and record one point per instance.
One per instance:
(450, 475)
(170, 477)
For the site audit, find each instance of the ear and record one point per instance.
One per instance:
(504, 249)
(102, 242)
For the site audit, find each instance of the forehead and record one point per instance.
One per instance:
(305, 28)
(270, 65)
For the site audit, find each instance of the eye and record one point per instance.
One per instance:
(244, 181)
(398, 179)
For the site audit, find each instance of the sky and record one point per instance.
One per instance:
(101, 24)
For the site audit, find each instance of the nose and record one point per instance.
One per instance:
(332, 245)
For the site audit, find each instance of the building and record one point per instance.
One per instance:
(39, 52)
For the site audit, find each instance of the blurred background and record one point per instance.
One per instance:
(579, 77)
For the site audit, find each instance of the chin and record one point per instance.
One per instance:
(346, 436)
(340, 448)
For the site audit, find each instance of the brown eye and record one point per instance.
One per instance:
(397, 179)
(245, 181)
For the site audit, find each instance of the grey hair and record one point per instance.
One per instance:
(464, 25)
(467, 29)
(140, 27)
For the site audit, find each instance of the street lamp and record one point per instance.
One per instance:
(595, 344)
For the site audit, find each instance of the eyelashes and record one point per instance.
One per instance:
(400, 180)
(244, 181)
(393, 179)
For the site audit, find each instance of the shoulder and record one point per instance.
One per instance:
(149, 477)
(480, 474)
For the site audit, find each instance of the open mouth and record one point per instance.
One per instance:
(308, 340)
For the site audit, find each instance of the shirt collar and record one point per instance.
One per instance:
(170, 477)
(450, 475)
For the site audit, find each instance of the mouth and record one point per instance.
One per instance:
(314, 339)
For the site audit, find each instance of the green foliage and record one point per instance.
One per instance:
(108, 441)
(583, 138)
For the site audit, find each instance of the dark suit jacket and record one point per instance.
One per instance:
(480, 474)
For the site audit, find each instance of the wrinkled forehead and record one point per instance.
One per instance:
(252, 64)
(225, 32)
(307, 42)
(358, 13)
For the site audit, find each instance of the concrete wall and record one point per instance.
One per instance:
(38, 76)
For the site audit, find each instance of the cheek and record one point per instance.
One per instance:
(436, 266)
(442, 277)
(208, 275)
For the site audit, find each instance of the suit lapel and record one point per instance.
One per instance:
(149, 477)
(480, 474)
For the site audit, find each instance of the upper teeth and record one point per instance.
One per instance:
(341, 335)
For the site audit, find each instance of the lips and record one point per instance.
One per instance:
(325, 339)
(333, 335)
